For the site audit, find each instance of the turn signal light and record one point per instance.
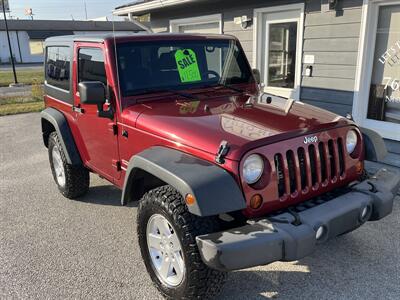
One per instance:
(190, 199)
(256, 201)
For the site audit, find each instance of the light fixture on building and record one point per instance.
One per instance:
(243, 21)
(309, 70)
(329, 5)
(332, 4)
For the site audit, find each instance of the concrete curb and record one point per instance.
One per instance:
(16, 91)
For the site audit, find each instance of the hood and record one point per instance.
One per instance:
(205, 123)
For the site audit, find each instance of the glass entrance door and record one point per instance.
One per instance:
(282, 55)
(384, 96)
(278, 48)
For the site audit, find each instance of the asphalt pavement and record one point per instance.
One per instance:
(54, 248)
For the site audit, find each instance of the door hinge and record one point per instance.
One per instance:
(115, 129)
(117, 164)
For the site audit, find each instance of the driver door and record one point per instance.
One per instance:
(97, 134)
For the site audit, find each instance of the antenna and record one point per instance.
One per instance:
(84, 3)
(116, 65)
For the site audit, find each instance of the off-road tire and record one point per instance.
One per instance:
(77, 178)
(199, 282)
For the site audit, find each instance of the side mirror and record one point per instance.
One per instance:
(257, 75)
(94, 93)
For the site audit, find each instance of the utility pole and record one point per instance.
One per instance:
(9, 43)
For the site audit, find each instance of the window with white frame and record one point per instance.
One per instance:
(278, 34)
(203, 24)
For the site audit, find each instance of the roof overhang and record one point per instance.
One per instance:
(44, 34)
(69, 25)
(142, 8)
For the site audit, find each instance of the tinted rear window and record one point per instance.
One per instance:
(58, 61)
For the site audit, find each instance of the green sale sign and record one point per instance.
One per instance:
(186, 61)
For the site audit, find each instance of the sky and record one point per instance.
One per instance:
(65, 9)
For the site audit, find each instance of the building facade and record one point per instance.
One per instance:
(341, 55)
(27, 36)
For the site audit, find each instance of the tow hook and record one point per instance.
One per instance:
(297, 220)
(373, 188)
(222, 152)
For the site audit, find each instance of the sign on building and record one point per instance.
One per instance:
(28, 12)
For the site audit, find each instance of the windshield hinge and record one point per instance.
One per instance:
(222, 152)
(78, 109)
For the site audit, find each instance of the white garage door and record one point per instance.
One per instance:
(203, 24)
(200, 28)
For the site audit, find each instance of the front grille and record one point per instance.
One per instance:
(279, 174)
(309, 167)
(315, 201)
(313, 164)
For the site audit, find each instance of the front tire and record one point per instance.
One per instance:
(167, 233)
(72, 181)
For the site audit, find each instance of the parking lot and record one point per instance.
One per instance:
(52, 248)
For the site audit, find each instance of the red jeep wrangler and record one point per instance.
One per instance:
(226, 177)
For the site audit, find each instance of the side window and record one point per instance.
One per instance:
(91, 65)
(58, 61)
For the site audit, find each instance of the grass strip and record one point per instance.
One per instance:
(23, 76)
(19, 108)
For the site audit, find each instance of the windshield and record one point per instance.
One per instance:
(175, 65)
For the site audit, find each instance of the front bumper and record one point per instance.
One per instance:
(289, 237)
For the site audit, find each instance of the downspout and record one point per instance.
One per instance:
(139, 24)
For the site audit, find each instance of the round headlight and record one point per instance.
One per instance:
(351, 141)
(253, 168)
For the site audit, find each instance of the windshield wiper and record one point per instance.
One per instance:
(230, 87)
(152, 91)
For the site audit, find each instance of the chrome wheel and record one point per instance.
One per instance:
(58, 166)
(165, 250)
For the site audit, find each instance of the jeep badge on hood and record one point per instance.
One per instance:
(310, 139)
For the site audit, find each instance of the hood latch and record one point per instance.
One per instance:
(222, 152)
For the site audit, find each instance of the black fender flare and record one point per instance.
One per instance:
(215, 190)
(60, 124)
(374, 146)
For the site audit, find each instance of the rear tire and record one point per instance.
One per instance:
(195, 280)
(72, 181)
